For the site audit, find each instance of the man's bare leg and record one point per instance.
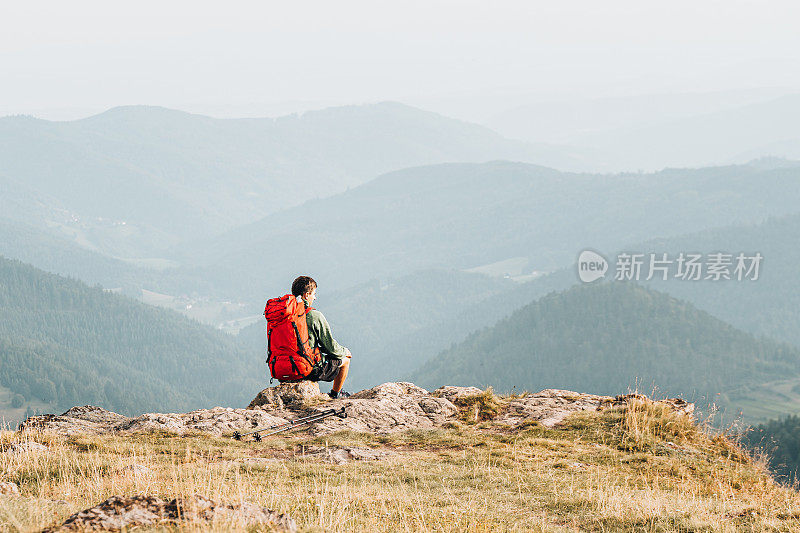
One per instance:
(338, 381)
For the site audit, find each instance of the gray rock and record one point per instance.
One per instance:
(7, 488)
(387, 408)
(63, 425)
(453, 393)
(216, 421)
(551, 406)
(120, 512)
(95, 415)
(548, 407)
(289, 395)
(390, 390)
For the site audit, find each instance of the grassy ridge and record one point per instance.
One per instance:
(637, 468)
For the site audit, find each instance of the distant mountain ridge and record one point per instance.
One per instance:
(568, 120)
(465, 215)
(135, 180)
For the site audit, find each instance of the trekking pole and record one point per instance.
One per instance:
(304, 422)
(301, 422)
(309, 419)
(238, 436)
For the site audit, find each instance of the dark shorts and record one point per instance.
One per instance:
(325, 371)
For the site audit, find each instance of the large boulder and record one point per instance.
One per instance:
(289, 395)
(551, 406)
(387, 408)
(390, 390)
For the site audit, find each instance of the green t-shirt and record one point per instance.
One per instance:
(320, 336)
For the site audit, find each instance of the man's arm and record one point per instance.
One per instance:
(322, 330)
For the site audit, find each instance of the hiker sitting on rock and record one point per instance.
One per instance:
(300, 345)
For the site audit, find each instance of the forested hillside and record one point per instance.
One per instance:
(609, 337)
(769, 305)
(780, 439)
(64, 343)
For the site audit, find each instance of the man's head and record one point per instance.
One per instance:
(304, 286)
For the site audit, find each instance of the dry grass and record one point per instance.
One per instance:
(636, 469)
(479, 407)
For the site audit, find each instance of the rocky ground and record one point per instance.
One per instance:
(387, 408)
(452, 459)
(117, 513)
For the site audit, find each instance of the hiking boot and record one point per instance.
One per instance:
(340, 394)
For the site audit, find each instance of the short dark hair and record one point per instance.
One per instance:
(303, 285)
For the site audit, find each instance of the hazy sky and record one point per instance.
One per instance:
(250, 57)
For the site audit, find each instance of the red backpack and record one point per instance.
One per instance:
(289, 356)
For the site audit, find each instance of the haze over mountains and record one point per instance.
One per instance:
(768, 306)
(420, 229)
(135, 180)
(723, 137)
(652, 132)
(463, 215)
(567, 119)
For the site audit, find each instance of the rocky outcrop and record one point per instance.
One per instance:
(386, 408)
(456, 393)
(118, 512)
(548, 407)
(95, 420)
(289, 395)
(390, 407)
